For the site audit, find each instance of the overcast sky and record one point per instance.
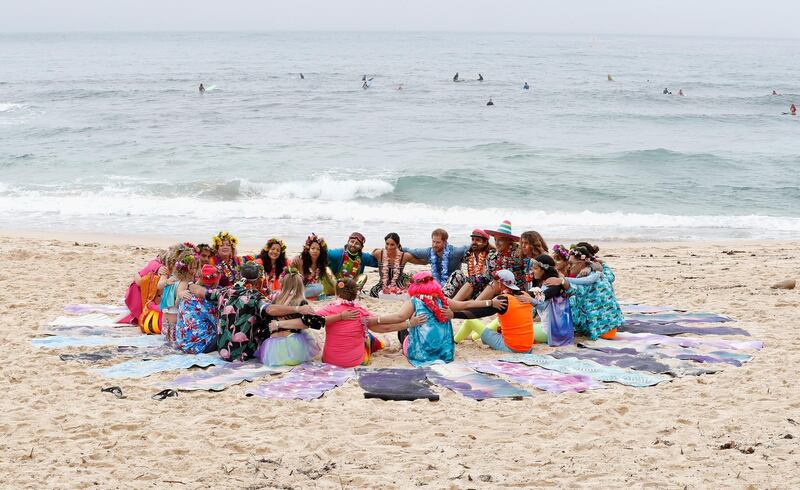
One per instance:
(739, 18)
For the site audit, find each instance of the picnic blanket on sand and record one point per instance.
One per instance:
(669, 352)
(217, 378)
(674, 317)
(304, 382)
(541, 378)
(395, 384)
(638, 362)
(83, 308)
(643, 326)
(142, 369)
(60, 341)
(590, 368)
(647, 338)
(467, 382)
(90, 320)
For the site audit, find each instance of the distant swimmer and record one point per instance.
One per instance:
(793, 110)
(680, 92)
(667, 92)
(363, 78)
(365, 85)
(526, 86)
(775, 93)
(302, 77)
(610, 78)
(400, 87)
(490, 102)
(202, 89)
(455, 77)
(480, 77)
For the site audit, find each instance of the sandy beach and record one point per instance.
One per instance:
(59, 431)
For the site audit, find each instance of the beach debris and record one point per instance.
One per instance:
(733, 252)
(164, 394)
(115, 390)
(734, 445)
(785, 284)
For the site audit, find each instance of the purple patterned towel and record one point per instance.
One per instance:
(640, 362)
(218, 378)
(478, 386)
(620, 347)
(395, 384)
(634, 308)
(80, 309)
(541, 378)
(673, 317)
(647, 338)
(305, 382)
(642, 326)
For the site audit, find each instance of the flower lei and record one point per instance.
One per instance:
(441, 277)
(390, 286)
(350, 266)
(472, 270)
(430, 303)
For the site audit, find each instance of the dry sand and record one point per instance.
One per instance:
(58, 430)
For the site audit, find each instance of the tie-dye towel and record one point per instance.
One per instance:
(217, 378)
(618, 346)
(638, 362)
(634, 308)
(59, 341)
(90, 331)
(640, 326)
(611, 374)
(478, 386)
(90, 320)
(305, 382)
(121, 351)
(82, 308)
(653, 339)
(142, 369)
(674, 317)
(541, 378)
(395, 384)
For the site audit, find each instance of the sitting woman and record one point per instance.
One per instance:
(273, 258)
(244, 313)
(348, 343)
(196, 330)
(548, 301)
(561, 256)
(531, 245)
(313, 263)
(595, 310)
(150, 273)
(184, 272)
(392, 261)
(226, 259)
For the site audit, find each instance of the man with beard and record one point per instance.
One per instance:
(350, 260)
(443, 258)
(480, 261)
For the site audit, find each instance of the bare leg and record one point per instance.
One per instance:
(487, 293)
(464, 293)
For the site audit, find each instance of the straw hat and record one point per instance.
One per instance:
(503, 231)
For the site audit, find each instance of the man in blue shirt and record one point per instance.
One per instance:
(350, 260)
(443, 257)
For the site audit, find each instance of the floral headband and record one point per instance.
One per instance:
(580, 253)
(544, 266)
(561, 251)
(222, 237)
(274, 241)
(203, 246)
(314, 238)
(185, 263)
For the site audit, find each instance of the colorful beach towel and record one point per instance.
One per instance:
(90, 331)
(675, 317)
(634, 308)
(153, 352)
(305, 382)
(641, 326)
(89, 320)
(471, 384)
(647, 338)
(142, 369)
(217, 378)
(60, 341)
(609, 374)
(618, 346)
(639, 362)
(82, 308)
(395, 384)
(541, 378)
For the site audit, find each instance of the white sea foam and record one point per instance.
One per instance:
(322, 188)
(9, 107)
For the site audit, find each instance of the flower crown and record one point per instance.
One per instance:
(314, 238)
(186, 262)
(274, 241)
(203, 246)
(222, 237)
(580, 253)
(560, 250)
(254, 264)
(291, 270)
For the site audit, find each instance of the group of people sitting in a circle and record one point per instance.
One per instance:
(206, 297)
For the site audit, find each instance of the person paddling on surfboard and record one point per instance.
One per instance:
(775, 93)
(526, 86)
(455, 77)
(480, 77)
(490, 102)
(302, 77)
(202, 89)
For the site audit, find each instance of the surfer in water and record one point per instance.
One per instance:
(680, 92)
(775, 93)
(363, 78)
(490, 102)
(480, 77)
(302, 77)
(365, 85)
(610, 78)
(526, 86)
(455, 77)
(666, 92)
(202, 89)
(793, 110)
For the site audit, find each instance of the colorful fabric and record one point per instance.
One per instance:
(142, 369)
(634, 308)
(478, 274)
(335, 262)
(291, 350)
(594, 307)
(344, 340)
(392, 278)
(646, 338)
(676, 317)
(196, 329)
(91, 331)
(609, 374)
(516, 324)
(431, 342)
(440, 269)
(541, 378)
(228, 269)
(471, 384)
(217, 378)
(511, 260)
(395, 384)
(618, 346)
(82, 308)
(133, 297)
(640, 326)
(88, 320)
(61, 341)
(305, 382)
(638, 362)
(243, 322)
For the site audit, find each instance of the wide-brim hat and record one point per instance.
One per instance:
(503, 231)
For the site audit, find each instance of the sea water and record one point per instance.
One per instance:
(108, 133)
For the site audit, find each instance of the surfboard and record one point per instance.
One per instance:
(209, 89)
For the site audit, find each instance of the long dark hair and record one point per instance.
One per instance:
(549, 272)
(395, 238)
(280, 264)
(322, 261)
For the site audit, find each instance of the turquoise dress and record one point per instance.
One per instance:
(431, 342)
(594, 306)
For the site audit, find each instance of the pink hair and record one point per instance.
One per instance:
(422, 283)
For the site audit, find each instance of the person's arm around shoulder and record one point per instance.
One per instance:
(422, 255)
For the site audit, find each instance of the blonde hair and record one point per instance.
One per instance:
(292, 292)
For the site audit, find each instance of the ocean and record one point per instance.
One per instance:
(108, 133)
